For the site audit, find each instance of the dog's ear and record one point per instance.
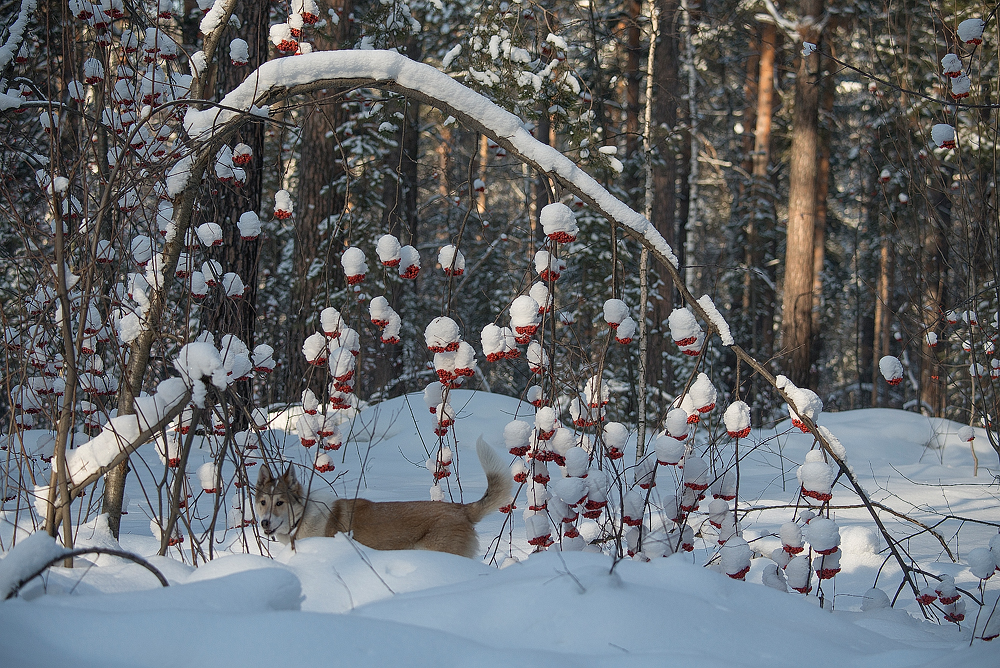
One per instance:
(264, 477)
(290, 482)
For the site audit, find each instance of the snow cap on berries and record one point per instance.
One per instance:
(281, 37)
(735, 555)
(625, 331)
(432, 396)
(615, 311)
(737, 419)
(823, 535)
(695, 473)
(493, 342)
(233, 285)
(540, 293)
(208, 474)
(791, 538)
(816, 476)
(703, 394)
(442, 334)
(524, 315)
(966, 434)
(314, 348)
(559, 222)
(677, 423)
(797, 573)
(210, 234)
(465, 360)
(452, 260)
(388, 250)
(684, 328)
(548, 266)
(951, 65)
(827, 565)
(331, 321)
(892, 369)
(669, 451)
(970, 31)
(517, 436)
(355, 265)
(577, 462)
(545, 420)
(263, 358)
(615, 435)
(596, 392)
(409, 263)
(538, 359)
(379, 310)
(943, 135)
(961, 86)
(282, 205)
(249, 225)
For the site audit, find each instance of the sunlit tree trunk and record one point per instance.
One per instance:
(797, 298)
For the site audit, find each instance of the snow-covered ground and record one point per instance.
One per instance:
(335, 602)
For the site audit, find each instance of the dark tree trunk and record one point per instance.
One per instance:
(797, 299)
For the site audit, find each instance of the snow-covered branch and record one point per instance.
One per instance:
(286, 77)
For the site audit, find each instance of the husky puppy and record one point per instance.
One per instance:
(284, 512)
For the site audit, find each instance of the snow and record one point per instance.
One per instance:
(451, 260)
(250, 225)
(353, 261)
(737, 417)
(718, 322)
(558, 218)
(804, 402)
(24, 559)
(440, 333)
(15, 33)
(703, 394)
(524, 312)
(970, 31)
(388, 249)
(239, 51)
(683, 326)
(943, 135)
(891, 369)
(615, 310)
(815, 474)
(332, 600)
(214, 17)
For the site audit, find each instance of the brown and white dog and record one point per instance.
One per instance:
(285, 513)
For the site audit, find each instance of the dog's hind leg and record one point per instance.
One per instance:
(457, 539)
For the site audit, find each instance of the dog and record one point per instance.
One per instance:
(286, 513)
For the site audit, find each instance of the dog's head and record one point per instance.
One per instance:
(280, 501)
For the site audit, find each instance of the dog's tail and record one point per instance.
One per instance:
(498, 482)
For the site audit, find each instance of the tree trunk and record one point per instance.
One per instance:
(633, 80)
(316, 256)
(934, 248)
(665, 101)
(883, 313)
(819, 240)
(232, 316)
(797, 300)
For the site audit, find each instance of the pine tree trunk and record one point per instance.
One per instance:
(819, 240)
(665, 102)
(318, 208)
(797, 299)
(883, 314)
(934, 248)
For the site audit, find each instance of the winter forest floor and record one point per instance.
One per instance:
(333, 602)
